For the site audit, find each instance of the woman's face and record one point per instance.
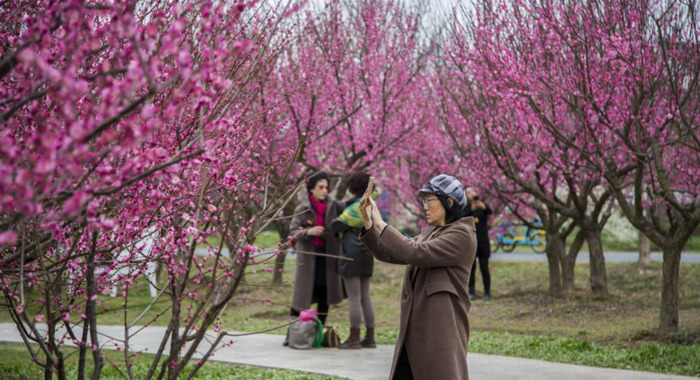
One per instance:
(471, 193)
(433, 210)
(320, 191)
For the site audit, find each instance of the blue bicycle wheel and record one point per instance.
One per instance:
(542, 243)
(495, 245)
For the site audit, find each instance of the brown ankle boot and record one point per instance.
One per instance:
(353, 341)
(368, 342)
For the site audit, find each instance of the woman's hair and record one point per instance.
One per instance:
(451, 213)
(357, 183)
(313, 180)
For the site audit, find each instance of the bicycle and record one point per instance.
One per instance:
(507, 239)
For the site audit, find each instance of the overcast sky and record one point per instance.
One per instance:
(434, 12)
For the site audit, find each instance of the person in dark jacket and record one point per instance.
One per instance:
(434, 325)
(480, 211)
(315, 280)
(356, 274)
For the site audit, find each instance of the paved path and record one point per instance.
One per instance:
(367, 364)
(610, 257)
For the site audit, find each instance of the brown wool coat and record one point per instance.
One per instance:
(302, 295)
(434, 300)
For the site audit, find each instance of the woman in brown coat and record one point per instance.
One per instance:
(434, 327)
(315, 280)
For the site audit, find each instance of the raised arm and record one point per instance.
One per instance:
(371, 240)
(372, 230)
(451, 248)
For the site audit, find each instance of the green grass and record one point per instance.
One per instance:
(668, 358)
(270, 238)
(620, 330)
(267, 239)
(612, 244)
(693, 244)
(521, 320)
(15, 363)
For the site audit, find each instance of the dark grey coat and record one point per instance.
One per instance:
(434, 301)
(362, 264)
(302, 295)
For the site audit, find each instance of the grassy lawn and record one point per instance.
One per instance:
(15, 364)
(521, 319)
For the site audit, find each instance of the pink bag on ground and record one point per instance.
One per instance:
(308, 315)
(307, 332)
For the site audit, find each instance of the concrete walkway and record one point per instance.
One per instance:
(368, 364)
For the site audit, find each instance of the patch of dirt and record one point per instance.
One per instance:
(686, 338)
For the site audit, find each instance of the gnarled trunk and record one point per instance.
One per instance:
(599, 276)
(282, 227)
(668, 321)
(554, 251)
(644, 250)
(568, 277)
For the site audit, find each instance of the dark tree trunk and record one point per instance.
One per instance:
(232, 252)
(568, 277)
(599, 276)
(279, 267)
(91, 311)
(669, 291)
(48, 370)
(282, 227)
(555, 250)
(644, 250)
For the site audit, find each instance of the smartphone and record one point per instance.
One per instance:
(370, 186)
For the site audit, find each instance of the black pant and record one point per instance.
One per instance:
(321, 296)
(403, 366)
(485, 274)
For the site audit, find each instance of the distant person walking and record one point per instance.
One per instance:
(356, 274)
(434, 328)
(315, 280)
(480, 211)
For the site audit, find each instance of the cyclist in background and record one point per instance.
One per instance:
(480, 211)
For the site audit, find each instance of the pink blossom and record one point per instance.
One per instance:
(147, 111)
(8, 237)
(75, 203)
(241, 45)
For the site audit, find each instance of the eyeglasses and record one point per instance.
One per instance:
(426, 201)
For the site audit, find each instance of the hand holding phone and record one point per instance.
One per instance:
(366, 204)
(368, 209)
(370, 186)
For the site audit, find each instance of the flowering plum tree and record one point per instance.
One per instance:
(492, 109)
(352, 84)
(606, 91)
(124, 122)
